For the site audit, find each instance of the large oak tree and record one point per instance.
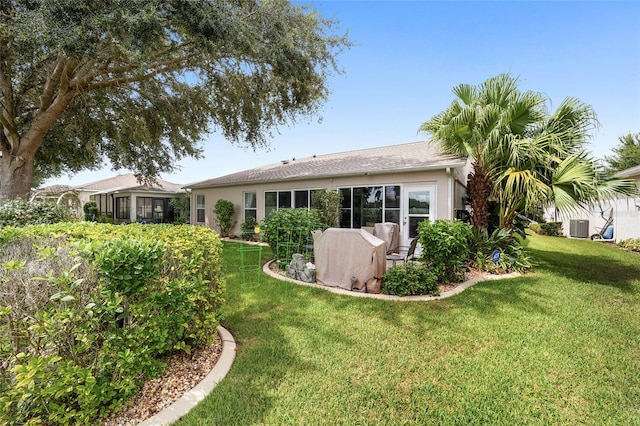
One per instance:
(140, 83)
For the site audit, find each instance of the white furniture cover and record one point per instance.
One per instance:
(389, 232)
(352, 259)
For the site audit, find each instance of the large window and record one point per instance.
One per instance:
(104, 204)
(368, 205)
(274, 200)
(123, 208)
(200, 208)
(250, 205)
(144, 208)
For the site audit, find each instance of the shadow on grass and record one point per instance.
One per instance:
(602, 268)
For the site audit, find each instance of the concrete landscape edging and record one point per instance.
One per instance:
(192, 397)
(456, 290)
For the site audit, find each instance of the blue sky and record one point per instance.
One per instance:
(410, 54)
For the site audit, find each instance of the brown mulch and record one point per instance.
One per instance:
(183, 373)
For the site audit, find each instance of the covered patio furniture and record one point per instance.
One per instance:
(389, 232)
(352, 259)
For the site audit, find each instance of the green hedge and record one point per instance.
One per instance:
(19, 212)
(87, 310)
(410, 279)
(445, 248)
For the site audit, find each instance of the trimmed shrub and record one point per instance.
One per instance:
(87, 310)
(552, 229)
(445, 248)
(410, 279)
(19, 212)
(91, 211)
(224, 211)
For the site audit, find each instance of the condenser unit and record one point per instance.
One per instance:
(579, 228)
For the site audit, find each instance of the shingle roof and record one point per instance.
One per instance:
(129, 182)
(631, 172)
(414, 156)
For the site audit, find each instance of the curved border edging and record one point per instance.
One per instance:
(422, 298)
(191, 398)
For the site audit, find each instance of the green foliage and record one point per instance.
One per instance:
(86, 311)
(181, 207)
(170, 72)
(328, 205)
(224, 211)
(535, 227)
(247, 228)
(290, 225)
(632, 244)
(19, 212)
(626, 153)
(509, 246)
(445, 248)
(409, 279)
(552, 229)
(91, 211)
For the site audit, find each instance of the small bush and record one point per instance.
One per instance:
(247, 228)
(632, 244)
(19, 212)
(91, 211)
(501, 252)
(224, 211)
(552, 229)
(290, 226)
(535, 227)
(410, 279)
(328, 205)
(445, 248)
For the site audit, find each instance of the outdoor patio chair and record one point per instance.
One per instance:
(405, 253)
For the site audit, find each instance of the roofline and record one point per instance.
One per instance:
(458, 163)
(632, 171)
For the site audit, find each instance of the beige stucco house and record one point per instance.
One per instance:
(124, 199)
(404, 184)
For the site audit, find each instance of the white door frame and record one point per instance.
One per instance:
(410, 216)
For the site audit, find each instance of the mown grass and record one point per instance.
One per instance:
(559, 346)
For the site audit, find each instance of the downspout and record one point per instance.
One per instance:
(450, 193)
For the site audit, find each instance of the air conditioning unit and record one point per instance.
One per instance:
(579, 228)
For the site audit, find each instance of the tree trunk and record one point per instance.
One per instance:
(479, 190)
(16, 176)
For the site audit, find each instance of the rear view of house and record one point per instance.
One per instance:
(404, 184)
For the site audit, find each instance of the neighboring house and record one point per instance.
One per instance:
(124, 199)
(626, 215)
(405, 184)
(62, 195)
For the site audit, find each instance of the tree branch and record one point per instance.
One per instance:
(52, 83)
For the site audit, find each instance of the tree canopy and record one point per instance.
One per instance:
(523, 157)
(140, 82)
(626, 154)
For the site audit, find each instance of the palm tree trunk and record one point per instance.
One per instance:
(479, 189)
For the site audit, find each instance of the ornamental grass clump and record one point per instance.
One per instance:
(87, 311)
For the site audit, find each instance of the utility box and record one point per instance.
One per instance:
(579, 228)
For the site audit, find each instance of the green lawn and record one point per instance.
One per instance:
(559, 346)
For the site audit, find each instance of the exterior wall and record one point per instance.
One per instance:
(448, 191)
(626, 218)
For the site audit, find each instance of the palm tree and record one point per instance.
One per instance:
(480, 124)
(521, 156)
